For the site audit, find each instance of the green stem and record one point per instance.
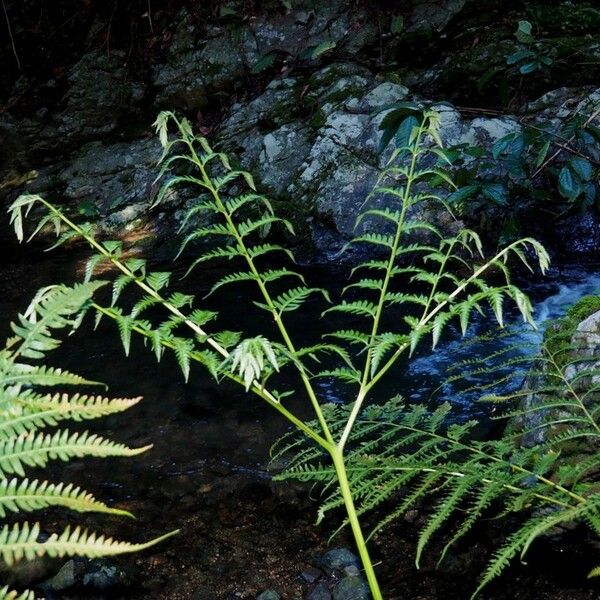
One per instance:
(361, 545)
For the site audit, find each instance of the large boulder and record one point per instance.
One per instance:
(315, 145)
(102, 95)
(200, 62)
(112, 181)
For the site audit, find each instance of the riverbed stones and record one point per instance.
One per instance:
(311, 574)
(64, 579)
(338, 559)
(269, 595)
(351, 588)
(320, 592)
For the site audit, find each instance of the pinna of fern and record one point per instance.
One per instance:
(31, 434)
(417, 275)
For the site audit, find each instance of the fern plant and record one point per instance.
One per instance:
(31, 434)
(417, 275)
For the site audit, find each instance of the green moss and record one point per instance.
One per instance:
(584, 308)
(559, 334)
(317, 121)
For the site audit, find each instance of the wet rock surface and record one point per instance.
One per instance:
(297, 95)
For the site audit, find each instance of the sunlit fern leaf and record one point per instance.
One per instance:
(356, 307)
(29, 411)
(7, 594)
(22, 541)
(19, 495)
(344, 374)
(381, 345)
(25, 450)
(396, 454)
(408, 455)
(53, 307)
(294, 298)
(251, 357)
(351, 335)
(28, 375)
(24, 411)
(230, 278)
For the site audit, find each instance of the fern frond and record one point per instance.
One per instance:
(29, 411)
(7, 594)
(26, 496)
(52, 308)
(22, 541)
(35, 451)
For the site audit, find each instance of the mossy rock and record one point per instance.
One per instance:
(559, 334)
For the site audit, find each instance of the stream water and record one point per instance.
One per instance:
(206, 472)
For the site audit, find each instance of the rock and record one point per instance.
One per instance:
(338, 559)
(320, 592)
(101, 95)
(102, 575)
(116, 178)
(282, 154)
(379, 98)
(352, 571)
(432, 15)
(578, 333)
(199, 62)
(28, 573)
(268, 595)
(351, 588)
(195, 64)
(64, 579)
(325, 168)
(311, 574)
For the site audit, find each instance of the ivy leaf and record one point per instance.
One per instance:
(582, 167)
(518, 56)
(541, 155)
(496, 192)
(568, 185)
(313, 52)
(529, 67)
(523, 32)
(264, 62)
(503, 144)
(394, 119)
(405, 130)
(462, 194)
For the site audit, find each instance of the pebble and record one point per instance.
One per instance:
(351, 588)
(352, 571)
(311, 574)
(320, 592)
(64, 579)
(268, 595)
(339, 558)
